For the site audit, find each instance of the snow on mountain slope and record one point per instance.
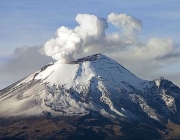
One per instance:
(81, 73)
(93, 83)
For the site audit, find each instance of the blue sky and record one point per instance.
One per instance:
(24, 22)
(31, 23)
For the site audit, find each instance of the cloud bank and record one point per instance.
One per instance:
(22, 62)
(146, 59)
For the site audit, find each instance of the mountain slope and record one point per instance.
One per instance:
(94, 83)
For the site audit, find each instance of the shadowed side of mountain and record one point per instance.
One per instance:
(75, 128)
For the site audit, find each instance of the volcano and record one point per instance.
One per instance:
(88, 89)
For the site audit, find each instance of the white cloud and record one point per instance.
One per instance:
(21, 63)
(155, 47)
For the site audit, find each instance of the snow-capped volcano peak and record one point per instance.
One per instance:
(92, 83)
(81, 71)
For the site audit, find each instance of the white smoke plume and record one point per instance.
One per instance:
(89, 37)
(90, 25)
(147, 59)
(64, 45)
(70, 41)
(123, 45)
(128, 24)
